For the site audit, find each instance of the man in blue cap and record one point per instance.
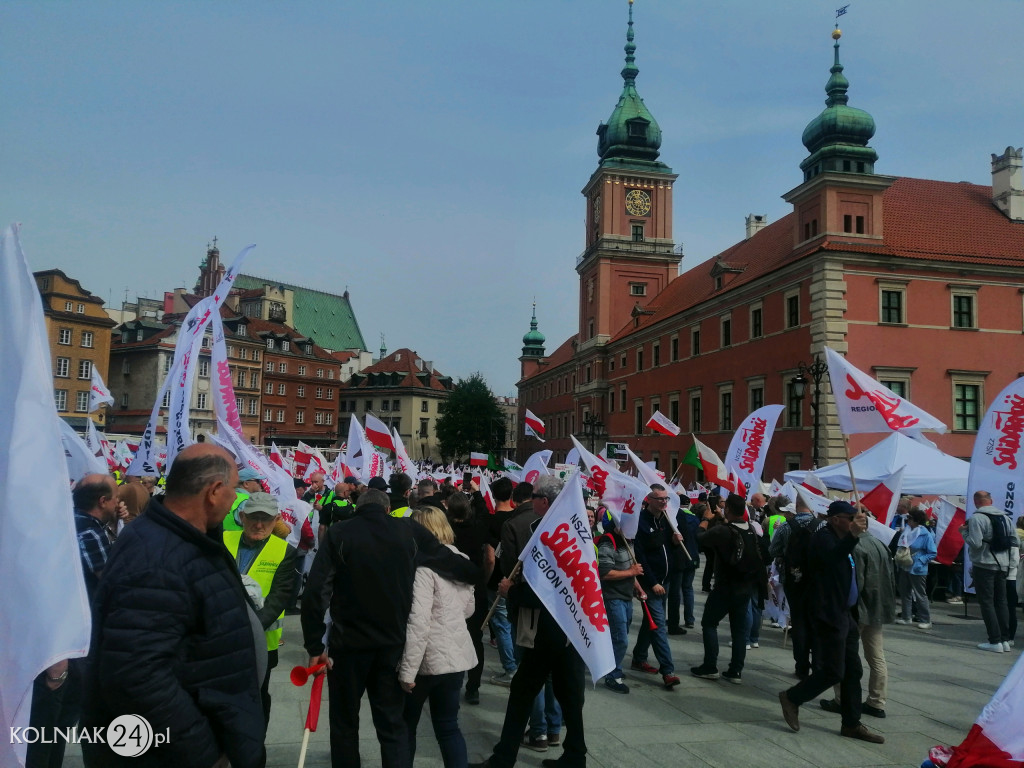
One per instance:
(249, 482)
(831, 602)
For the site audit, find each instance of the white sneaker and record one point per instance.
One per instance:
(1010, 643)
(1006, 646)
(753, 645)
(776, 625)
(994, 647)
(902, 621)
(925, 625)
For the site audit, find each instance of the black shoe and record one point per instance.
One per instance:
(831, 705)
(867, 709)
(473, 696)
(536, 743)
(803, 674)
(482, 764)
(676, 631)
(733, 677)
(707, 673)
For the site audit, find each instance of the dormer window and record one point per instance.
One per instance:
(242, 330)
(637, 129)
(285, 345)
(309, 349)
(270, 343)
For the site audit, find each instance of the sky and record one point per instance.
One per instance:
(429, 156)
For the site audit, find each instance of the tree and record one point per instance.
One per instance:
(470, 420)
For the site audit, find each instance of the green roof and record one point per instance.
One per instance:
(327, 318)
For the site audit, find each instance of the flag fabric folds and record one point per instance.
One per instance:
(749, 446)
(715, 472)
(98, 392)
(378, 433)
(884, 497)
(948, 541)
(659, 422)
(44, 611)
(533, 425)
(477, 459)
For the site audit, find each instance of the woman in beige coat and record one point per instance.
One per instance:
(438, 649)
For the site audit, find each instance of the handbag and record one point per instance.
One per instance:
(903, 558)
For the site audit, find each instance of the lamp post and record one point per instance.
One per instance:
(270, 433)
(814, 372)
(592, 428)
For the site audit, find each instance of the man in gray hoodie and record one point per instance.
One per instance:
(989, 570)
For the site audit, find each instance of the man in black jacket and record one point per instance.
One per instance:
(365, 573)
(173, 637)
(832, 604)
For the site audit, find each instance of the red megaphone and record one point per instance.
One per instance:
(300, 675)
(651, 624)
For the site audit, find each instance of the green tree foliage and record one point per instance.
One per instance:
(470, 420)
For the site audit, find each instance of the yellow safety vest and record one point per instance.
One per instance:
(231, 521)
(262, 572)
(774, 522)
(400, 512)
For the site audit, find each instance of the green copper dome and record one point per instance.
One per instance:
(838, 138)
(631, 137)
(533, 341)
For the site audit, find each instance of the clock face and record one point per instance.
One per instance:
(638, 202)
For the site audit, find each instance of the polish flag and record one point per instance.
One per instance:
(534, 426)
(814, 484)
(477, 459)
(714, 470)
(275, 455)
(881, 500)
(301, 457)
(996, 739)
(378, 433)
(485, 491)
(659, 422)
(948, 540)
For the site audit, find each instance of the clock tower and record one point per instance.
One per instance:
(629, 256)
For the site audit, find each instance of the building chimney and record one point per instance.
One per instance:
(755, 223)
(1007, 186)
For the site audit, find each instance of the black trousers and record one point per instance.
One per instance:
(724, 601)
(553, 656)
(372, 672)
(475, 625)
(709, 570)
(839, 652)
(265, 688)
(800, 630)
(54, 709)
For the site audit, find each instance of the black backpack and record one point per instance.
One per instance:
(1003, 536)
(744, 557)
(797, 555)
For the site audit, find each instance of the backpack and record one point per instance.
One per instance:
(744, 557)
(1003, 536)
(797, 555)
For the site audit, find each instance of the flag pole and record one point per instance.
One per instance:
(849, 466)
(494, 605)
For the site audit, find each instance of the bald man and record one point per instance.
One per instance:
(174, 640)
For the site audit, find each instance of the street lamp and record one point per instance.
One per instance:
(270, 433)
(814, 372)
(593, 427)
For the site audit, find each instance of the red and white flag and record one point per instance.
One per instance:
(749, 446)
(533, 425)
(560, 565)
(535, 466)
(650, 476)
(624, 496)
(996, 740)
(275, 455)
(715, 472)
(948, 519)
(659, 422)
(301, 457)
(225, 406)
(477, 459)
(814, 484)
(98, 392)
(594, 467)
(864, 405)
(485, 491)
(377, 432)
(317, 463)
(402, 460)
(882, 500)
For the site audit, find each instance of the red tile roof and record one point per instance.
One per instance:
(563, 354)
(402, 361)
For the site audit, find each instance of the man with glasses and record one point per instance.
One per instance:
(653, 539)
(832, 604)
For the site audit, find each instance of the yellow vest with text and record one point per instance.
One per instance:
(262, 572)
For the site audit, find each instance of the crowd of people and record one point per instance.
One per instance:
(399, 582)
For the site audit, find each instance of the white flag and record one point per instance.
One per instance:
(402, 460)
(98, 392)
(749, 446)
(651, 477)
(225, 406)
(864, 405)
(80, 460)
(560, 565)
(44, 611)
(536, 466)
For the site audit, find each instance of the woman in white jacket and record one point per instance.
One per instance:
(438, 649)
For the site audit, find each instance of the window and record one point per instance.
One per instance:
(963, 311)
(302, 370)
(695, 341)
(622, 363)
(640, 359)
(253, 405)
(60, 397)
(396, 405)
(166, 402)
(308, 348)
(256, 353)
(268, 415)
(369, 405)
(80, 309)
(319, 373)
(63, 369)
(270, 343)
(674, 349)
(726, 332)
(201, 399)
(300, 391)
(243, 353)
(794, 411)
(638, 411)
(792, 461)
(892, 306)
(898, 386)
(638, 233)
(673, 411)
(286, 345)
(319, 393)
(204, 368)
(254, 380)
(126, 336)
(124, 400)
(300, 417)
(270, 367)
(282, 367)
(81, 402)
(656, 354)
(318, 418)
(725, 410)
(756, 323)
(330, 373)
(242, 330)
(168, 359)
(281, 389)
(966, 406)
(68, 306)
(140, 334)
(280, 415)
(611, 405)
(756, 397)
(638, 289)
(695, 413)
(329, 419)
(793, 310)
(239, 404)
(586, 375)
(343, 406)
(64, 336)
(424, 406)
(424, 426)
(385, 405)
(85, 369)
(270, 388)
(622, 399)
(126, 366)
(859, 225)
(205, 344)
(240, 379)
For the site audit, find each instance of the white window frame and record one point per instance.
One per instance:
(81, 402)
(64, 337)
(60, 399)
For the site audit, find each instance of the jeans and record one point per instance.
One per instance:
(680, 585)
(721, 603)
(837, 649)
(546, 716)
(620, 616)
(443, 693)
(658, 637)
(502, 628)
(754, 612)
(990, 586)
(372, 672)
(956, 580)
(914, 596)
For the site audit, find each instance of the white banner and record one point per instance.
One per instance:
(98, 392)
(536, 466)
(749, 446)
(560, 565)
(224, 403)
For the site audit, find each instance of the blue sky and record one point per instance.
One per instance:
(429, 155)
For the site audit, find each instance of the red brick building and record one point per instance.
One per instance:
(919, 282)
